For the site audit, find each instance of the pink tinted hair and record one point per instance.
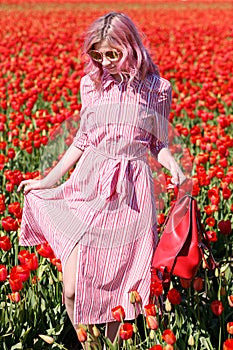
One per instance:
(121, 34)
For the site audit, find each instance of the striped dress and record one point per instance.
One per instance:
(107, 206)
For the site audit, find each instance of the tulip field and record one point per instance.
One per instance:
(41, 64)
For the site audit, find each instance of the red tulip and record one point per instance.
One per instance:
(16, 283)
(152, 322)
(174, 296)
(150, 310)
(126, 331)
(14, 296)
(156, 286)
(10, 187)
(3, 273)
(226, 193)
(185, 283)
(156, 347)
(210, 221)
(82, 334)
(30, 261)
(45, 250)
(217, 307)
(15, 209)
(161, 219)
(11, 153)
(21, 272)
(212, 236)
(228, 344)
(22, 255)
(10, 224)
(56, 262)
(230, 328)
(2, 204)
(225, 227)
(5, 243)
(198, 284)
(169, 337)
(118, 313)
(230, 300)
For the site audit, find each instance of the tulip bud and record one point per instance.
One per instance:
(135, 297)
(204, 264)
(168, 305)
(132, 298)
(47, 338)
(135, 328)
(152, 334)
(191, 340)
(224, 268)
(168, 347)
(60, 277)
(130, 342)
(96, 331)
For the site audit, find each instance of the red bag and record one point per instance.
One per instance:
(183, 242)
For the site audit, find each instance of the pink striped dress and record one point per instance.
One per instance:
(107, 206)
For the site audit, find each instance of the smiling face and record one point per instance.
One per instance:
(110, 65)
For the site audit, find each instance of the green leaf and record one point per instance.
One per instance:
(17, 346)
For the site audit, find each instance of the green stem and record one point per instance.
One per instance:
(220, 335)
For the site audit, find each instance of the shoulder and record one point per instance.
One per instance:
(86, 84)
(157, 84)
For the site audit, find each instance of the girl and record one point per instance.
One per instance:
(101, 222)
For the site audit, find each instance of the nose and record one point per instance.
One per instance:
(105, 62)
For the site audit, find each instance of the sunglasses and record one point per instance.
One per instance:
(111, 55)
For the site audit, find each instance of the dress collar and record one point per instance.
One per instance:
(108, 79)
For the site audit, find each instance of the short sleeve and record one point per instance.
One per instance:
(159, 138)
(81, 139)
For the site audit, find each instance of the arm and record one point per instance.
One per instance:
(159, 146)
(71, 156)
(73, 153)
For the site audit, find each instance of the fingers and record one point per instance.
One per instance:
(20, 186)
(175, 180)
(27, 184)
(177, 177)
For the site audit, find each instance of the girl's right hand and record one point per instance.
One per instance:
(32, 184)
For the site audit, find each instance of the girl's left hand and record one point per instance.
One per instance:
(178, 177)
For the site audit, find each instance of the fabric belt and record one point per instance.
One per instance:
(116, 176)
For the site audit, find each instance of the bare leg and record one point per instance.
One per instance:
(111, 331)
(69, 280)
